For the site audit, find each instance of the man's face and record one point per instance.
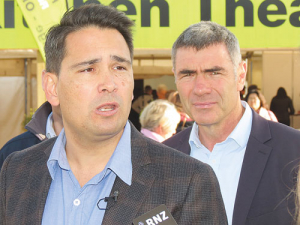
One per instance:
(207, 85)
(95, 83)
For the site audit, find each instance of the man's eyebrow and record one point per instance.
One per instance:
(213, 69)
(85, 63)
(120, 59)
(186, 71)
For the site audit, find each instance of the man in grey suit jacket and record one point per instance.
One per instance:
(100, 170)
(255, 160)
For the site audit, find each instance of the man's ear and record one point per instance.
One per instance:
(49, 82)
(241, 75)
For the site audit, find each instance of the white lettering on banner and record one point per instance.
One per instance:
(44, 4)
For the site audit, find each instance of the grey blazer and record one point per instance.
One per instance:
(268, 175)
(161, 175)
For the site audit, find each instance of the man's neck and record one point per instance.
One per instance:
(88, 158)
(210, 135)
(57, 123)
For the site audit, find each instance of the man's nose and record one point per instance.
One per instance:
(202, 85)
(107, 82)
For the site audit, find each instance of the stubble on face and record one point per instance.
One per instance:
(207, 84)
(96, 83)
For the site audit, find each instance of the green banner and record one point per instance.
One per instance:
(40, 15)
(256, 23)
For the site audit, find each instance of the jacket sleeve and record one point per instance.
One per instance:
(203, 203)
(3, 193)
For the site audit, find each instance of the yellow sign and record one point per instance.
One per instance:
(41, 15)
(256, 23)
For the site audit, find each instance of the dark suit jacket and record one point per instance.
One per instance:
(161, 175)
(268, 173)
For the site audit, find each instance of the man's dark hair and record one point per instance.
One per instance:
(148, 89)
(97, 15)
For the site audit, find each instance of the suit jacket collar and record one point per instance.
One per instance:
(44, 179)
(131, 197)
(255, 159)
(257, 153)
(183, 143)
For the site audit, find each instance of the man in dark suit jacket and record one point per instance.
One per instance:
(100, 170)
(254, 159)
(39, 129)
(161, 175)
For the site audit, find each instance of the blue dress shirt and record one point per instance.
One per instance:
(50, 133)
(226, 158)
(68, 203)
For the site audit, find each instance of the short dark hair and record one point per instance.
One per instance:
(148, 88)
(204, 34)
(87, 15)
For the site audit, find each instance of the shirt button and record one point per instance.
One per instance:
(76, 202)
(214, 161)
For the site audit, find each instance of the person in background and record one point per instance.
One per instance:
(242, 93)
(159, 120)
(282, 106)
(161, 91)
(100, 169)
(253, 87)
(141, 102)
(185, 120)
(254, 101)
(45, 124)
(252, 157)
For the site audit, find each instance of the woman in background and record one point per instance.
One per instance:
(282, 106)
(255, 103)
(159, 120)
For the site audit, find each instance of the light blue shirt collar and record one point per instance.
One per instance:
(120, 162)
(50, 133)
(240, 134)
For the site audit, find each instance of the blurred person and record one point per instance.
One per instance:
(161, 91)
(282, 106)
(242, 93)
(168, 93)
(251, 156)
(142, 101)
(253, 87)
(45, 124)
(159, 120)
(100, 169)
(185, 120)
(154, 94)
(254, 101)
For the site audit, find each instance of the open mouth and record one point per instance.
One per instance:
(107, 108)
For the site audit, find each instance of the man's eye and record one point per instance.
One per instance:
(120, 68)
(88, 70)
(187, 75)
(215, 73)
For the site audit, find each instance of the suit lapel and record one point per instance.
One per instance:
(184, 145)
(255, 159)
(45, 180)
(131, 197)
